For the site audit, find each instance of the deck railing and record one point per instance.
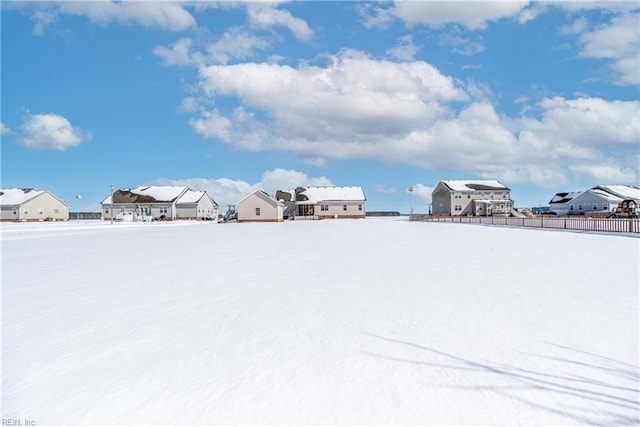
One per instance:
(610, 225)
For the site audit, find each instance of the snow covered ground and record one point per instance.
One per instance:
(372, 321)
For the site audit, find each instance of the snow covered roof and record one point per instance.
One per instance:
(18, 196)
(564, 197)
(322, 194)
(460, 185)
(265, 196)
(622, 191)
(605, 195)
(147, 194)
(193, 196)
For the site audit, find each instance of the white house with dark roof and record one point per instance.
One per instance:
(561, 203)
(601, 199)
(330, 202)
(29, 204)
(477, 198)
(159, 202)
(260, 207)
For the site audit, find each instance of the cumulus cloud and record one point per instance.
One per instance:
(472, 15)
(4, 130)
(410, 113)
(619, 42)
(266, 15)
(51, 132)
(422, 192)
(163, 15)
(312, 109)
(226, 191)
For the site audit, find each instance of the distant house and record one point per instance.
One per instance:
(562, 203)
(477, 198)
(330, 202)
(28, 204)
(600, 199)
(196, 205)
(159, 202)
(260, 207)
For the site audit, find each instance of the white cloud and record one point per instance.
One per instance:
(405, 50)
(287, 179)
(422, 192)
(164, 15)
(314, 108)
(226, 191)
(236, 43)
(265, 15)
(4, 130)
(51, 132)
(474, 15)
(375, 17)
(409, 113)
(618, 41)
(178, 54)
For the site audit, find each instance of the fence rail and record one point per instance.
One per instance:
(611, 225)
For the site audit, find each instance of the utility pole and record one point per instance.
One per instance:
(111, 209)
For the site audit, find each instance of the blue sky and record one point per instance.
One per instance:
(228, 97)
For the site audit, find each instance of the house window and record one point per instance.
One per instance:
(458, 207)
(163, 209)
(26, 211)
(503, 195)
(580, 207)
(468, 194)
(457, 195)
(106, 210)
(571, 208)
(491, 194)
(595, 206)
(605, 206)
(344, 207)
(360, 208)
(14, 211)
(324, 208)
(40, 212)
(257, 211)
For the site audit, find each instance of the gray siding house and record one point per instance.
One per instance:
(477, 198)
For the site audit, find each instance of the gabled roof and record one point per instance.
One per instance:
(264, 196)
(601, 194)
(316, 195)
(193, 196)
(19, 196)
(475, 185)
(622, 191)
(564, 197)
(147, 194)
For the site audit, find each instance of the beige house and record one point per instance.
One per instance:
(330, 202)
(28, 204)
(477, 198)
(260, 207)
(146, 203)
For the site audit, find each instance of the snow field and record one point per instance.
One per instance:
(372, 321)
